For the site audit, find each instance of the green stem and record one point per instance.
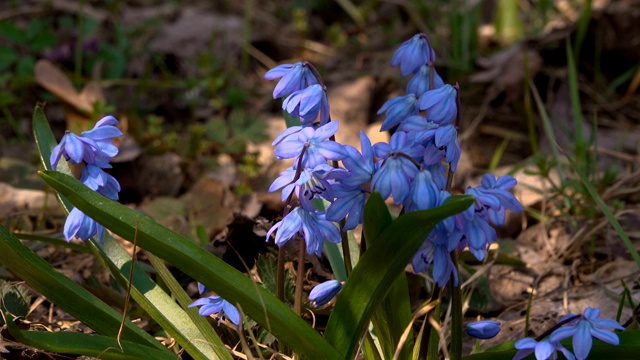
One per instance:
(456, 314)
(280, 275)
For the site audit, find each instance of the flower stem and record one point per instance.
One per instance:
(456, 314)
(297, 300)
(287, 208)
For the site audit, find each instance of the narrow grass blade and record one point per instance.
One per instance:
(378, 267)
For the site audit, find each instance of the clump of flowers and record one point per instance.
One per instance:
(92, 151)
(414, 168)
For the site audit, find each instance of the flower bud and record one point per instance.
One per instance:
(485, 329)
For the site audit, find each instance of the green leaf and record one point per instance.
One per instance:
(144, 291)
(10, 31)
(379, 267)
(99, 346)
(394, 314)
(201, 265)
(66, 293)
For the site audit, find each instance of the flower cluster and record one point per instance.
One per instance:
(93, 150)
(414, 168)
(581, 327)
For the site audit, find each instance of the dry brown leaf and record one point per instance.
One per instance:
(54, 80)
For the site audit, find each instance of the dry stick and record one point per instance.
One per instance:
(128, 297)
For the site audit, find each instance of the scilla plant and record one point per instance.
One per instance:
(329, 191)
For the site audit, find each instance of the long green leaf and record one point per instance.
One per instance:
(201, 265)
(66, 293)
(93, 345)
(379, 266)
(394, 314)
(161, 307)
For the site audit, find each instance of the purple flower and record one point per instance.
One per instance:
(440, 104)
(583, 328)
(318, 149)
(79, 225)
(217, 305)
(323, 293)
(398, 109)
(313, 225)
(543, 350)
(412, 54)
(419, 83)
(307, 103)
(294, 77)
(484, 329)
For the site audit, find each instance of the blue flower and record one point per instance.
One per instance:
(307, 103)
(396, 169)
(419, 83)
(436, 251)
(217, 305)
(584, 327)
(311, 183)
(478, 234)
(446, 140)
(398, 109)
(318, 149)
(102, 134)
(412, 54)
(74, 149)
(440, 104)
(360, 165)
(313, 225)
(294, 77)
(79, 225)
(423, 193)
(494, 195)
(323, 293)
(484, 329)
(543, 350)
(349, 204)
(93, 147)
